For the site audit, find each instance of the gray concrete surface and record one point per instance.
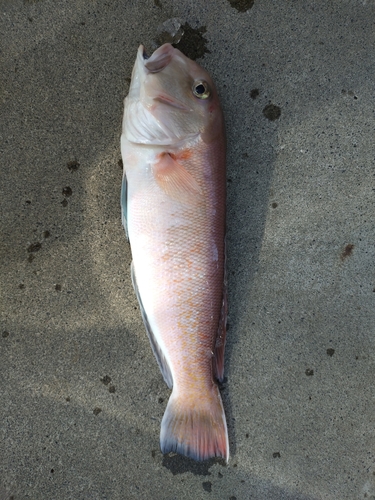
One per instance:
(81, 395)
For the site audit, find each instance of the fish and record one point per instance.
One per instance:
(173, 204)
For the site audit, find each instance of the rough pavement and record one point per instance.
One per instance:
(81, 395)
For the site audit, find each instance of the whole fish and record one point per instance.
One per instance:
(173, 210)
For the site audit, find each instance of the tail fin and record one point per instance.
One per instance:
(196, 429)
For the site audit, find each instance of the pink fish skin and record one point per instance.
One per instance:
(173, 205)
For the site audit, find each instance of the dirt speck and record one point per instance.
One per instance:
(254, 93)
(158, 3)
(64, 203)
(274, 205)
(348, 250)
(207, 486)
(67, 191)
(106, 380)
(112, 389)
(276, 454)
(21, 286)
(120, 164)
(272, 112)
(58, 287)
(73, 165)
(46, 234)
(96, 411)
(309, 372)
(34, 247)
(241, 5)
(5, 334)
(330, 352)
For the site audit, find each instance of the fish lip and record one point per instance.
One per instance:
(144, 54)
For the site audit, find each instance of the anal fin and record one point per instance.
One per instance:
(156, 349)
(124, 205)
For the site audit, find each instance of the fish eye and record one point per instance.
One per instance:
(201, 89)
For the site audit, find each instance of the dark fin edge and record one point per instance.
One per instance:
(156, 349)
(219, 348)
(198, 432)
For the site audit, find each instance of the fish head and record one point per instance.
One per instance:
(171, 99)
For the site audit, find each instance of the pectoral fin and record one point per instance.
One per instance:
(173, 178)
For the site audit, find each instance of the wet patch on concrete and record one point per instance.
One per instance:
(348, 250)
(67, 191)
(73, 165)
(272, 112)
(207, 486)
(34, 247)
(241, 5)
(193, 44)
(190, 41)
(179, 464)
(254, 93)
(106, 380)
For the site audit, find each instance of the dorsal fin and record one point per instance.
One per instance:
(159, 355)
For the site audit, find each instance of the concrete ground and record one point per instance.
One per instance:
(81, 394)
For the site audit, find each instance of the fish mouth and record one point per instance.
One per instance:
(159, 59)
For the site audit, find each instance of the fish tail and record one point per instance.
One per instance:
(195, 428)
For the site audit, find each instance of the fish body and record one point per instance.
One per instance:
(173, 208)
